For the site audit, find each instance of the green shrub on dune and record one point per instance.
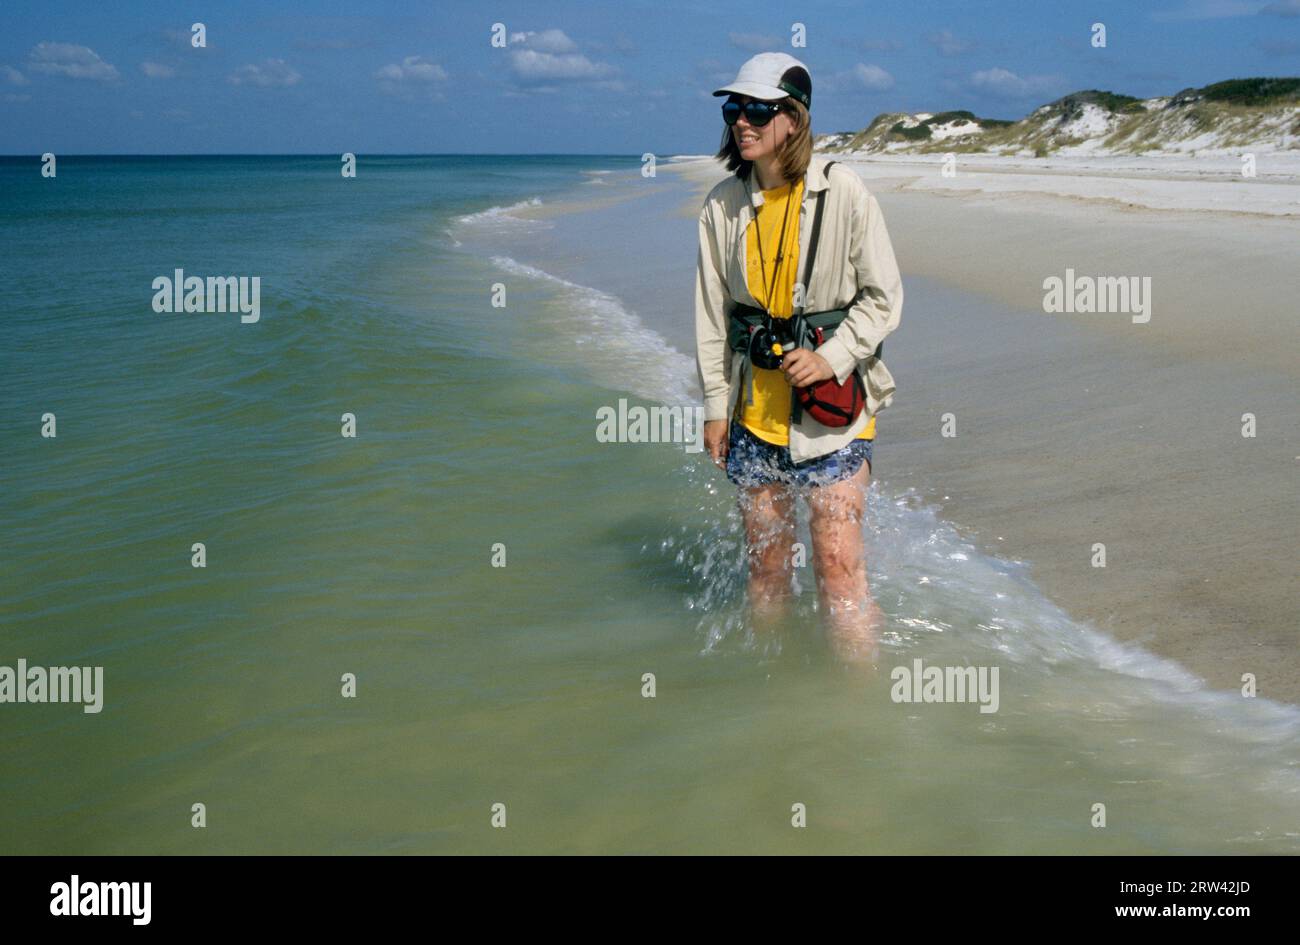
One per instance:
(1235, 112)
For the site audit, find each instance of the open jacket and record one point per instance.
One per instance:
(855, 269)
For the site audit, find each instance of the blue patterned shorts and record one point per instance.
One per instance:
(752, 461)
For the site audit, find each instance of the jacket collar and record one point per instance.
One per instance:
(814, 179)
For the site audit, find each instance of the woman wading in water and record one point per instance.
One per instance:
(789, 357)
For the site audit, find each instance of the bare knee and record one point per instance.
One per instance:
(769, 534)
(838, 550)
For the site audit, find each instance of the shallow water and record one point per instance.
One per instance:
(477, 685)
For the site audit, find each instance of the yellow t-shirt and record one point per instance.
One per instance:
(768, 417)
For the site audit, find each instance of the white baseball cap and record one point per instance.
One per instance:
(772, 75)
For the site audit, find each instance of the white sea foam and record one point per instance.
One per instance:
(611, 343)
(933, 582)
(1061, 679)
(507, 216)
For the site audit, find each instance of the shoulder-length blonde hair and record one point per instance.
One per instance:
(794, 154)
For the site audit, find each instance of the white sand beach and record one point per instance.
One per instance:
(1081, 429)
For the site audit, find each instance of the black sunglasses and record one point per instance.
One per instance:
(757, 113)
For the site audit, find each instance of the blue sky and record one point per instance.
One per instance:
(326, 76)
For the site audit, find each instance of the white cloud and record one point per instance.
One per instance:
(947, 43)
(1283, 8)
(156, 70)
(69, 60)
(1003, 83)
(13, 76)
(861, 76)
(873, 77)
(533, 66)
(413, 79)
(272, 73)
(551, 56)
(548, 41)
(412, 69)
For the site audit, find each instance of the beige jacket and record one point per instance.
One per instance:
(855, 269)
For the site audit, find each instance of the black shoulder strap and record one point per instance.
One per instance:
(796, 409)
(812, 243)
(816, 230)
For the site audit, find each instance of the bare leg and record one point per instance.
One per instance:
(768, 512)
(836, 513)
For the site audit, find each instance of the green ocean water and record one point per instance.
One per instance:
(479, 685)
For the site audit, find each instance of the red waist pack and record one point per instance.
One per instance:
(830, 402)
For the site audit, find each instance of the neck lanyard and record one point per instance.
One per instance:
(780, 253)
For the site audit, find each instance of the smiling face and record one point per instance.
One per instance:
(755, 144)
